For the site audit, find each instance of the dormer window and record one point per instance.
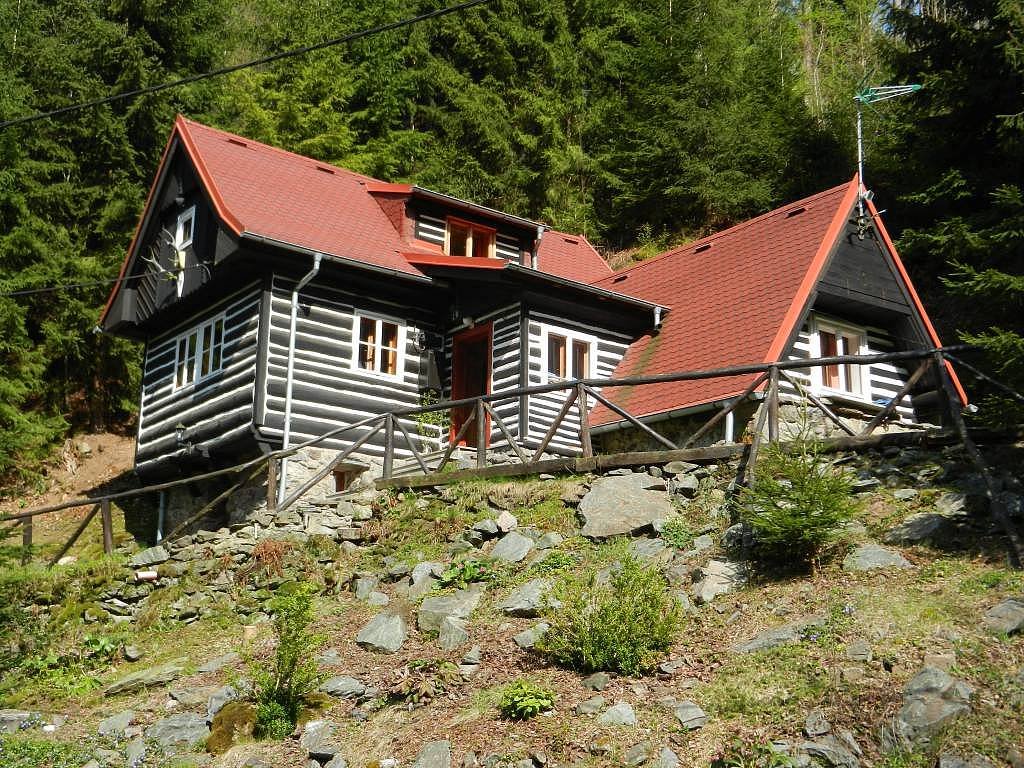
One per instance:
(465, 239)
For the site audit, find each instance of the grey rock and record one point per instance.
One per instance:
(378, 599)
(679, 467)
(135, 752)
(787, 634)
(870, 557)
(132, 653)
(529, 600)
(185, 729)
(549, 540)
(690, 716)
(425, 571)
(718, 577)
(218, 663)
(529, 637)
(905, 494)
(435, 754)
(319, 741)
(702, 543)
(145, 678)
(512, 548)
(1005, 617)
(918, 528)
(452, 633)
(506, 522)
(651, 549)
(343, 687)
(385, 633)
(858, 650)
(591, 706)
(953, 504)
(364, 586)
(624, 505)
(191, 697)
(336, 762)
(838, 750)
(932, 699)
(113, 727)
(597, 681)
(13, 720)
(666, 759)
(472, 655)
(817, 724)
(638, 754)
(686, 486)
(152, 556)
(487, 528)
(459, 605)
(219, 698)
(621, 713)
(948, 760)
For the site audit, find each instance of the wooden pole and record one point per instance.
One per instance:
(389, 445)
(773, 404)
(74, 536)
(26, 540)
(581, 402)
(632, 419)
(210, 505)
(508, 435)
(818, 403)
(412, 447)
(996, 506)
(455, 440)
(272, 485)
(108, 527)
(554, 426)
(746, 473)
(321, 473)
(481, 435)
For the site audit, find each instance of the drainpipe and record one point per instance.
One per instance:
(160, 515)
(282, 476)
(536, 247)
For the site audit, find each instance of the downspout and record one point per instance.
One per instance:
(160, 515)
(535, 253)
(283, 474)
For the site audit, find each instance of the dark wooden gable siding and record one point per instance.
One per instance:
(215, 411)
(861, 276)
(328, 390)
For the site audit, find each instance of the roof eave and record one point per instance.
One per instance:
(482, 210)
(604, 293)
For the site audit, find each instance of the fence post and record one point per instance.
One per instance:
(389, 445)
(108, 527)
(272, 485)
(26, 540)
(481, 435)
(773, 404)
(581, 403)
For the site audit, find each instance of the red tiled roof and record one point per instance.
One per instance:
(735, 296)
(572, 257)
(287, 197)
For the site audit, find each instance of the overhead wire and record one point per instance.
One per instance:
(91, 284)
(380, 28)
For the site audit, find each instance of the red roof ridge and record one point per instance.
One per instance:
(312, 162)
(708, 239)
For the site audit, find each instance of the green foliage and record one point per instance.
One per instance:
(523, 699)
(273, 720)
(422, 680)
(22, 752)
(462, 574)
(796, 504)
(623, 625)
(281, 687)
(747, 754)
(677, 533)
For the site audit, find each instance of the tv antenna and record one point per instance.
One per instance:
(872, 95)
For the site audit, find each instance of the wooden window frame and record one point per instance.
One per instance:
(201, 346)
(853, 378)
(357, 344)
(571, 340)
(474, 230)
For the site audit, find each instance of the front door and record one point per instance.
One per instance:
(471, 377)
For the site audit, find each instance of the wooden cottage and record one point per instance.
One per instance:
(280, 298)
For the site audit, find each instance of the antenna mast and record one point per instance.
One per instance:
(872, 95)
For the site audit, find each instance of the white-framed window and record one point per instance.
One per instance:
(183, 234)
(199, 353)
(567, 355)
(461, 238)
(379, 345)
(831, 338)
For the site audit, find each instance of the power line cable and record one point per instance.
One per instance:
(92, 284)
(245, 65)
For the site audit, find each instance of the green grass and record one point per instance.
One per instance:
(30, 752)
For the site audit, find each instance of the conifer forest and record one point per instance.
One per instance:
(639, 123)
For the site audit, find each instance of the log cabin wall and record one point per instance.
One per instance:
(215, 408)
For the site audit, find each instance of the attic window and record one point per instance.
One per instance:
(702, 248)
(464, 239)
(795, 212)
(237, 142)
(325, 169)
(570, 241)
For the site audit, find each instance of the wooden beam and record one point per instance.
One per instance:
(633, 420)
(895, 401)
(389, 444)
(725, 411)
(508, 435)
(581, 401)
(74, 536)
(321, 473)
(205, 509)
(108, 527)
(481, 435)
(773, 404)
(409, 442)
(272, 485)
(818, 403)
(26, 540)
(555, 425)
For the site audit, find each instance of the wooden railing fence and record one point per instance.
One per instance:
(580, 393)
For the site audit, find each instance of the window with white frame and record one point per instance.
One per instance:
(183, 234)
(832, 339)
(379, 345)
(200, 353)
(568, 356)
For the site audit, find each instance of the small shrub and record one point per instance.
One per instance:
(523, 699)
(796, 504)
(461, 575)
(676, 533)
(622, 626)
(422, 680)
(279, 689)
